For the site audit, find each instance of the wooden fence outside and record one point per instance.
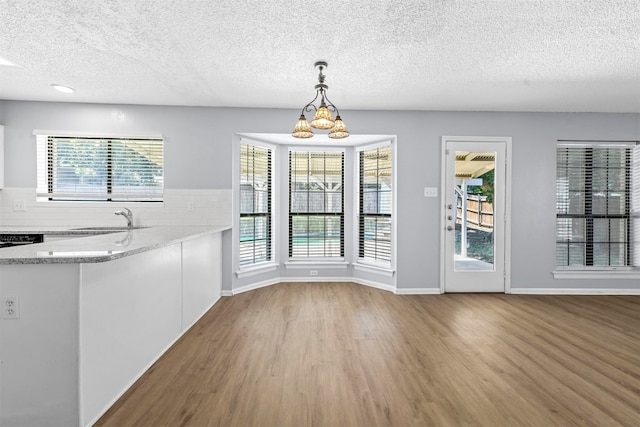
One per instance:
(479, 212)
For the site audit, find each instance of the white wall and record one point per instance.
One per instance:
(41, 344)
(198, 156)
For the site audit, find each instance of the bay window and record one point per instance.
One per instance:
(316, 204)
(313, 210)
(375, 207)
(255, 204)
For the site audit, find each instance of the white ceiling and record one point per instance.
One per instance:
(478, 55)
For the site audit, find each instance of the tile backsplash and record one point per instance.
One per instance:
(180, 207)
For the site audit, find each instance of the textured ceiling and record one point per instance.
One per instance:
(478, 55)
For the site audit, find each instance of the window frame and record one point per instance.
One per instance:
(45, 151)
(632, 179)
(292, 259)
(269, 215)
(359, 248)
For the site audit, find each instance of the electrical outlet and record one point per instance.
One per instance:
(313, 272)
(20, 205)
(10, 308)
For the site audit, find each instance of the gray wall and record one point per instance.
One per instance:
(198, 155)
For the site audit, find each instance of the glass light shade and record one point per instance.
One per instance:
(339, 130)
(322, 119)
(302, 129)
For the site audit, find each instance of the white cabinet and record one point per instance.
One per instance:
(87, 331)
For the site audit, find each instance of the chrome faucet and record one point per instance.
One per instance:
(129, 215)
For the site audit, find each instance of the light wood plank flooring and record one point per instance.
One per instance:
(340, 354)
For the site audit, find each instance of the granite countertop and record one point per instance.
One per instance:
(95, 247)
(77, 231)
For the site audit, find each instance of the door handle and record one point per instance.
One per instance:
(450, 217)
(449, 228)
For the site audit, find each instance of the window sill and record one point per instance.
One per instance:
(596, 274)
(306, 264)
(373, 268)
(256, 269)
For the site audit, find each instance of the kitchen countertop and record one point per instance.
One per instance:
(62, 230)
(96, 247)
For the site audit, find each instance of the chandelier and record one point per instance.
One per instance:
(323, 118)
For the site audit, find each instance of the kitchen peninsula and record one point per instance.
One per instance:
(94, 312)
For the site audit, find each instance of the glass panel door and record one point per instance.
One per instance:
(473, 232)
(473, 195)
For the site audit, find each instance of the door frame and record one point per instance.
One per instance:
(507, 205)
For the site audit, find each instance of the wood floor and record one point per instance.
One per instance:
(340, 354)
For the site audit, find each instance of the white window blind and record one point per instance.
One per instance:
(375, 207)
(255, 204)
(597, 205)
(316, 204)
(99, 168)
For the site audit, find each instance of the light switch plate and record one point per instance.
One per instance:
(430, 192)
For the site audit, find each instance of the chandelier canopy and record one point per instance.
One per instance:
(323, 118)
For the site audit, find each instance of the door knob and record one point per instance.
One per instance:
(449, 228)
(450, 217)
(449, 207)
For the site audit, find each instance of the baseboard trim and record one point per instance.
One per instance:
(418, 291)
(429, 291)
(254, 286)
(271, 282)
(306, 279)
(374, 284)
(573, 291)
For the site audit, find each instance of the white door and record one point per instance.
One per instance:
(474, 214)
